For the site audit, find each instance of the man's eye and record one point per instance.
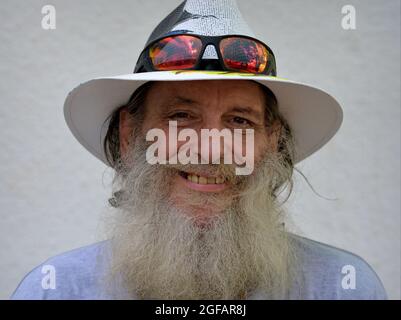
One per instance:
(180, 115)
(242, 121)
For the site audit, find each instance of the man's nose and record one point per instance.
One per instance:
(212, 137)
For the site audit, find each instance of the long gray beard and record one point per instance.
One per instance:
(159, 251)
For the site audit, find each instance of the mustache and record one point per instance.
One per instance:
(225, 171)
(135, 162)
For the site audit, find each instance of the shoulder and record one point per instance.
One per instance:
(328, 272)
(70, 275)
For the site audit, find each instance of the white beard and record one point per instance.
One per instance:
(160, 252)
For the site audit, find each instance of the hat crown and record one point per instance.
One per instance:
(203, 17)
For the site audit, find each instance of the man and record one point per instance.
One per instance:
(186, 224)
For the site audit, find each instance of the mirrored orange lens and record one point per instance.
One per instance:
(245, 55)
(175, 53)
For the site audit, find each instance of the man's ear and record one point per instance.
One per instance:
(126, 127)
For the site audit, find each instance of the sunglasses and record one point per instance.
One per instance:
(185, 52)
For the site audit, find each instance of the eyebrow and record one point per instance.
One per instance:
(178, 100)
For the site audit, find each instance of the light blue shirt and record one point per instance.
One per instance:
(326, 272)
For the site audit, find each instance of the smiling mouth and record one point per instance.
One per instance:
(202, 179)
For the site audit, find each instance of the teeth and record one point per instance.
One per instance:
(219, 180)
(205, 180)
(211, 180)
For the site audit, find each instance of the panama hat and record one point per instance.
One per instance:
(313, 115)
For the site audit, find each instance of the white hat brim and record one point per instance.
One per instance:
(313, 115)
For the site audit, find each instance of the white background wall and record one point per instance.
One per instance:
(52, 192)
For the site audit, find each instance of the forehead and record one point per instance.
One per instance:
(209, 91)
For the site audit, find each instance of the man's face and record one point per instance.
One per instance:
(174, 239)
(234, 104)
